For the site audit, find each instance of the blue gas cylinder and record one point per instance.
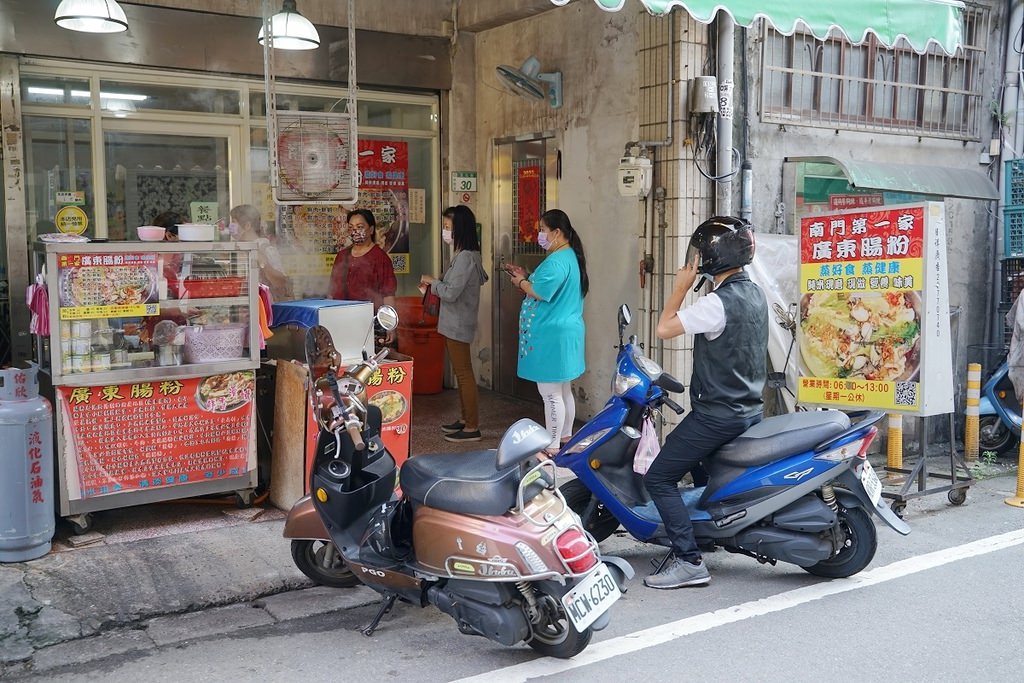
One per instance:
(27, 518)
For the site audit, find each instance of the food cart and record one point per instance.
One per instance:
(152, 354)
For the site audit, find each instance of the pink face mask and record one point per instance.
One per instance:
(234, 228)
(446, 235)
(544, 239)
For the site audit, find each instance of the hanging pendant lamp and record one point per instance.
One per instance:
(291, 30)
(91, 16)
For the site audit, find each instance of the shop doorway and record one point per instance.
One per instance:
(525, 184)
(151, 169)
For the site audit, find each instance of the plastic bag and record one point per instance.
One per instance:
(648, 448)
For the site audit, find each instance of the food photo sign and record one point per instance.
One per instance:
(874, 310)
(155, 434)
(107, 285)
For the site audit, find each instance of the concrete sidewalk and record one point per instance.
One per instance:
(152, 568)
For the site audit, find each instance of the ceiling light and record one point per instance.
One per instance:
(91, 16)
(290, 30)
(58, 92)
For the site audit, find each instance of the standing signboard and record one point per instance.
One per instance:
(874, 310)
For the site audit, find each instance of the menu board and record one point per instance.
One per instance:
(874, 320)
(107, 285)
(160, 433)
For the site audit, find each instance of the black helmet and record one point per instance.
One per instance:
(722, 243)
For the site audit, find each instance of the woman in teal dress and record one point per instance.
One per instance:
(551, 326)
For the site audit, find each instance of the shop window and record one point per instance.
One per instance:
(118, 96)
(372, 114)
(51, 90)
(59, 176)
(148, 174)
(835, 84)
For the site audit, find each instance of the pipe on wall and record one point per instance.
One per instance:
(723, 153)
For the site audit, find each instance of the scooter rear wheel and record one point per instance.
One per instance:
(556, 636)
(601, 524)
(321, 562)
(993, 435)
(861, 544)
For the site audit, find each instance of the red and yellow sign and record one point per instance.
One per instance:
(130, 437)
(861, 312)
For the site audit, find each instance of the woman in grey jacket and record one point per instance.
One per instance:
(459, 291)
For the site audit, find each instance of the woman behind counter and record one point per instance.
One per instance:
(363, 272)
(246, 226)
(459, 291)
(551, 322)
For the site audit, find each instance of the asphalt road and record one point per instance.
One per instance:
(945, 603)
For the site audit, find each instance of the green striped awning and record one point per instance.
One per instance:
(920, 22)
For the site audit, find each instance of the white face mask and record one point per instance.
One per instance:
(446, 235)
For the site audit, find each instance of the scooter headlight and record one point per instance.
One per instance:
(623, 383)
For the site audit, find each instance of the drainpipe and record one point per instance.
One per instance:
(723, 155)
(659, 203)
(1013, 137)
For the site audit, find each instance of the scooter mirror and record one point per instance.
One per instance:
(321, 355)
(387, 317)
(625, 317)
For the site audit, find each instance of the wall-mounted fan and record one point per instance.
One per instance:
(315, 158)
(528, 81)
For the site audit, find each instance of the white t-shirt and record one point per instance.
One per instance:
(706, 316)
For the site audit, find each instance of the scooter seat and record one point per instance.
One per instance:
(778, 437)
(466, 483)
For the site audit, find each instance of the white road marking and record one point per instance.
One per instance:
(659, 635)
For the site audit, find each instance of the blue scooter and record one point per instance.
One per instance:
(999, 424)
(795, 488)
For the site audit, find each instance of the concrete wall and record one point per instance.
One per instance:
(596, 52)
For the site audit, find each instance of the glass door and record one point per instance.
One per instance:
(152, 168)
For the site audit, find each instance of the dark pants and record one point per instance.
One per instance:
(693, 440)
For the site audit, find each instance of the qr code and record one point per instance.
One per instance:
(906, 393)
(400, 263)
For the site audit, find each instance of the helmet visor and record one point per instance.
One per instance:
(693, 255)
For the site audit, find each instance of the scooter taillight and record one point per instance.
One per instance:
(868, 438)
(576, 550)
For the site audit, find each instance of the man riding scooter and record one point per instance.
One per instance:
(730, 328)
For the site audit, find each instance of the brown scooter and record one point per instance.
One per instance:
(485, 537)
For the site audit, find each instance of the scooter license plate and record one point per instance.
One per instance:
(589, 599)
(869, 480)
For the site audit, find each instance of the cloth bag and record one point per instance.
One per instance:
(648, 448)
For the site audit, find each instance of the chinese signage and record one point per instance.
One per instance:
(107, 285)
(71, 220)
(874, 319)
(384, 190)
(132, 437)
(528, 209)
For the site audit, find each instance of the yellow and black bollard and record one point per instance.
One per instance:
(1018, 499)
(971, 412)
(894, 448)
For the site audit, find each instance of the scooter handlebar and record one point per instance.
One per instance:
(676, 408)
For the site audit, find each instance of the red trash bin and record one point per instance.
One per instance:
(426, 347)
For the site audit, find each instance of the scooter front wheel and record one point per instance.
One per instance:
(993, 435)
(858, 551)
(321, 562)
(600, 523)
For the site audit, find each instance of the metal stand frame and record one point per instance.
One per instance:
(956, 490)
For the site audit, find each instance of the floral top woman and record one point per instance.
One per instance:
(551, 329)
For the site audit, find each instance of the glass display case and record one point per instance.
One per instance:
(152, 352)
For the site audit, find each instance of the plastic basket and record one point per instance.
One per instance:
(1011, 279)
(1015, 182)
(208, 343)
(1013, 231)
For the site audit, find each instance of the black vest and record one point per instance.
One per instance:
(729, 372)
